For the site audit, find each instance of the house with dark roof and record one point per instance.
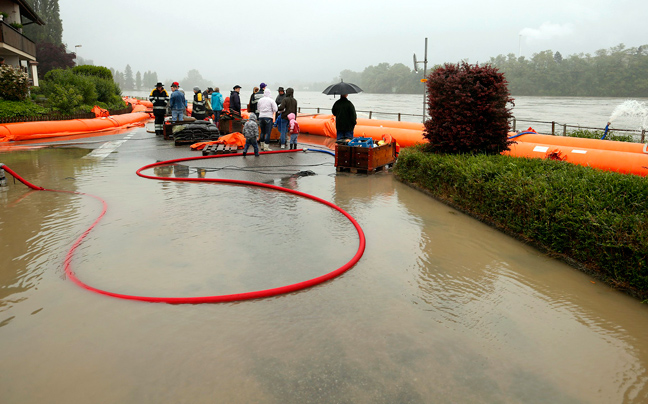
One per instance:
(16, 49)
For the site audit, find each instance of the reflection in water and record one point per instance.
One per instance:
(440, 309)
(34, 224)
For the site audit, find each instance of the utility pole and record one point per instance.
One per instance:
(76, 53)
(424, 79)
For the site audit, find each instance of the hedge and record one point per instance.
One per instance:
(593, 219)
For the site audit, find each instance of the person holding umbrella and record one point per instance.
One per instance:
(345, 118)
(343, 110)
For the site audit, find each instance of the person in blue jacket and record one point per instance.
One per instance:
(217, 104)
(177, 103)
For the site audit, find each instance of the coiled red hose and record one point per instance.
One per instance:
(218, 298)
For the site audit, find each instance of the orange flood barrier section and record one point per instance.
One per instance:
(405, 133)
(582, 142)
(609, 160)
(622, 157)
(11, 132)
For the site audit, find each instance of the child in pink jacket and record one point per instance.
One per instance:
(293, 129)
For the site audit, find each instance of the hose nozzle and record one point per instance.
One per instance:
(607, 129)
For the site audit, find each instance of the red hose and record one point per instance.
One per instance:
(219, 298)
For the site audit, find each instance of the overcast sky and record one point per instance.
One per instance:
(284, 41)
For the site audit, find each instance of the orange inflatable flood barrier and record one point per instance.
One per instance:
(583, 142)
(405, 133)
(11, 132)
(609, 160)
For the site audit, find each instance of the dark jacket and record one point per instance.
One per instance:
(160, 99)
(280, 98)
(345, 115)
(253, 102)
(289, 104)
(198, 111)
(235, 102)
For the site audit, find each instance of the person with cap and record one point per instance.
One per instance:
(235, 100)
(345, 118)
(278, 100)
(257, 96)
(217, 104)
(160, 98)
(281, 96)
(198, 111)
(178, 103)
(267, 108)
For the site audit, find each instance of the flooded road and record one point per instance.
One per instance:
(441, 308)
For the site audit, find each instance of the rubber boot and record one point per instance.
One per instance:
(261, 146)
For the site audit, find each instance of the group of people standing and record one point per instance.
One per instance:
(208, 103)
(268, 113)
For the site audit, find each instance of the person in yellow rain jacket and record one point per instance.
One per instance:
(198, 111)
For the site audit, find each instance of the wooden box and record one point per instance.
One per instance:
(228, 126)
(364, 158)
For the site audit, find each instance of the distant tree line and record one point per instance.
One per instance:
(614, 72)
(140, 81)
(386, 79)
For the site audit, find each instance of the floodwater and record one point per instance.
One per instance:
(440, 309)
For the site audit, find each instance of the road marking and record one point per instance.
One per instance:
(105, 149)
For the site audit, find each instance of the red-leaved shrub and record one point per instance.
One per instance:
(469, 109)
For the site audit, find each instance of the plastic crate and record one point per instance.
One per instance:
(361, 142)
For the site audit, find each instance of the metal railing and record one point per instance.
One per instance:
(12, 37)
(556, 127)
(371, 113)
(562, 127)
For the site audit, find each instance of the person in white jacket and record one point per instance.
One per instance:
(266, 109)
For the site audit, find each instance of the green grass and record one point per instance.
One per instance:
(598, 134)
(597, 218)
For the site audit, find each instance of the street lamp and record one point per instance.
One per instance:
(424, 79)
(76, 53)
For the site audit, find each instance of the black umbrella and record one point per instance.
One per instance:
(342, 88)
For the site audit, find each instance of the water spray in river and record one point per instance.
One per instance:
(634, 109)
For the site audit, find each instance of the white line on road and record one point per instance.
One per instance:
(105, 149)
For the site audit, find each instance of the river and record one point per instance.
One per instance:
(440, 308)
(573, 111)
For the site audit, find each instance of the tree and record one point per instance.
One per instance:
(138, 81)
(52, 31)
(469, 109)
(618, 71)
(194, 79)
(51, 57)
(129, 83)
